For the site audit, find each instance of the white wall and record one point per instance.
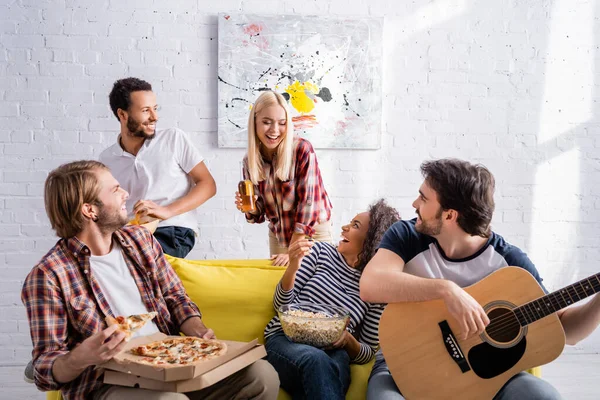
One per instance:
(511, 84)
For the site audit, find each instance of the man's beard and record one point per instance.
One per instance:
(431, 228)
(110, 222)
(136, 129)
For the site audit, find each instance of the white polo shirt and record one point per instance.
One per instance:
(159, 172)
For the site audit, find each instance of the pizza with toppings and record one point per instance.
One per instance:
(180, 351)
(131, 324)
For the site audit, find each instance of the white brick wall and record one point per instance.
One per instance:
(509, 84)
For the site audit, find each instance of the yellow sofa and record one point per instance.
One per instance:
(235, 297)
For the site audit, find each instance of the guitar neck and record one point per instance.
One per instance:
(551, 303)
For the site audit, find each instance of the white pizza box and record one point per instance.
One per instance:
(128, 363)
(189, 385)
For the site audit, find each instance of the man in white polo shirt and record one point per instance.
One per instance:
(163, 171)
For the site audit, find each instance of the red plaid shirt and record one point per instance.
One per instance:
(65, 304)
(293, 206)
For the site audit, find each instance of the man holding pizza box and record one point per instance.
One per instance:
(102, 270)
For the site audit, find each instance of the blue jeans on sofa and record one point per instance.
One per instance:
(307, 372)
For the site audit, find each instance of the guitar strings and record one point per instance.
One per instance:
(508, 321)
(499, 324)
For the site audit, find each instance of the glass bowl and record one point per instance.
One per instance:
(318, 325)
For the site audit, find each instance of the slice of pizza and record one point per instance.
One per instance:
(130, 324)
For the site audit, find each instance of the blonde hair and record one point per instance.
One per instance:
(67, 188)
(283, 167)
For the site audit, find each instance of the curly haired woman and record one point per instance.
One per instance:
(320, 273)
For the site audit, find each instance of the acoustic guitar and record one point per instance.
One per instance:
(427, 360)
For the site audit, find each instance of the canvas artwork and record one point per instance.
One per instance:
(328, 69)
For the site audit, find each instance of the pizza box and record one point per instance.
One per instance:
(127, 362)
(188, 385)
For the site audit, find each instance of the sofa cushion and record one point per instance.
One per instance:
(234, 296)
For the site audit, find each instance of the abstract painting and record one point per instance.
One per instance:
(328, 69)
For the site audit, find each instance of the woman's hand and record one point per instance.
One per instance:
(297, 250)
(238, 201)
(280, 260)
(343, 341)
(348, 343)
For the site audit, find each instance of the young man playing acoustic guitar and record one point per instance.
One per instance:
(447, 247)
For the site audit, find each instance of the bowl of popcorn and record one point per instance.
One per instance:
(317, 325)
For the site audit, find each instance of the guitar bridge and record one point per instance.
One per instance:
(453, 348)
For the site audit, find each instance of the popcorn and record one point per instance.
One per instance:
(313, 328)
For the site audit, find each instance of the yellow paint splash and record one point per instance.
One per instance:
(299, 98)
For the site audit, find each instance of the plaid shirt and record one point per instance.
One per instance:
(65, 304)
(293, 206)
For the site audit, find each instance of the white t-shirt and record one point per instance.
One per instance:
(159, 172)
(119, 288)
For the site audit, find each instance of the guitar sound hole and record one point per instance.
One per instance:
(504, 326)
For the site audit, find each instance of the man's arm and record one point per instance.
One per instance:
(205, 188)
(580, 321)
(53, 363)
(383, 281)
(97, 349)
(48, 321)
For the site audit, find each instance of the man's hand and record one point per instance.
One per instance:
(467, 312)
(95, 350)
(280, 260)
(208, 334)
(98, 348)
(195, 327)
(151, 209)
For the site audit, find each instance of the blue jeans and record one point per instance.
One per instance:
(175, 241)
(306, 372)
(521, 386)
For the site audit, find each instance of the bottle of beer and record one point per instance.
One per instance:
(246, 189)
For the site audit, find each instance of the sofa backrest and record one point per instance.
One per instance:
(234, 296)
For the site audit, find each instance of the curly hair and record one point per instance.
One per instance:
(381, 217)
(120, 95)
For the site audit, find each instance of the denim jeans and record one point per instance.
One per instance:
(175, 241)
(307, 372)
(521, 386)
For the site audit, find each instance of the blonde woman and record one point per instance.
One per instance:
(286, 178)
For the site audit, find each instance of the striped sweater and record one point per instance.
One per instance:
(324, 277)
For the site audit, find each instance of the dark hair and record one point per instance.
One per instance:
(381, 217)
(464, 187)
(120, 95)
